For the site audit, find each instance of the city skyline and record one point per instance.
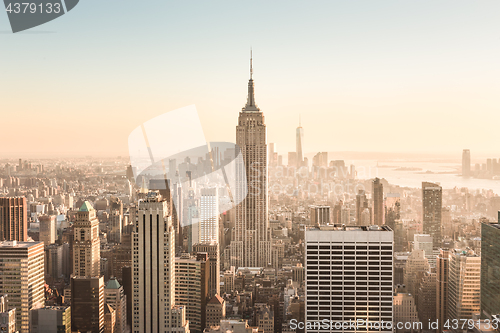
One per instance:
(153, 178)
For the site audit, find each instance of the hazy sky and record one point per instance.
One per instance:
(389, 76)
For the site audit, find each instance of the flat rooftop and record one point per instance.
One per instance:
(16, 244)
(340, 227)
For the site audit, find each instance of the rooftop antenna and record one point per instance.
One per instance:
(251, 67)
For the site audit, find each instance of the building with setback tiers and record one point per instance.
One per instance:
(251, 245)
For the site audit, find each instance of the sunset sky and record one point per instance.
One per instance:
(381, 76)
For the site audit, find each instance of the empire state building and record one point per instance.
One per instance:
(251, 242)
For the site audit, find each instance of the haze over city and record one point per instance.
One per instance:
(258, 167)
(365, 76)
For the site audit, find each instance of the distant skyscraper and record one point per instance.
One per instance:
(392, 209)
(466, 163)
(319, 215)
(22, 278)
(490, 270)
(378, 202)
(209, 215)
(13, 219)
(442, 273)
(340, 253)
(251, 245)
(272, 155)
(47, 229)
(432, 202)
(292, 159)
(86, 245)
(424, 242)
(464, 285)
(361, 205)
(416, 265)
(299, 138)
(153, 262)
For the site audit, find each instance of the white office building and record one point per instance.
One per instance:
(349, 276)
(153, 256)
(209, 216)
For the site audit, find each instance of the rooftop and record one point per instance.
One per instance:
(341, 227)
(113, 284)
(86, 207)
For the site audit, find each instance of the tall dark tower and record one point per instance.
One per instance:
(378, 202)
(251, 246)
(432, 202)
(13, 219)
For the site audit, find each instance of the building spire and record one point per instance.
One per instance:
(251, 106)
(251, 67)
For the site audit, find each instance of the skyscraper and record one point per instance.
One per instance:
(490, 269)
(424, 242)
(466, 163)
(349, 275)
(209, 215)
(212, 249)
(22, 278)
(432, 202)
(86, 245)
(319, 215)
(392, 209)
(191, 288)
(378, 202)
(464, 285)
(13, 219)
(442, 273)
(153, 260)
(115, 297)
(361, 205)
(251, 244)
(47, 229)
(87, 284)
(299, 138)
(87, 304)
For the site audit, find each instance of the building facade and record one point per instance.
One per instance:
(13, 219)
(349, 275)
(86, 243)
(51, 319)
(212, 249)
(378, 202)
(432, 203)
(191, 288)
(251, 246)
(153, 268)
(464, 285)
(24, 260)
